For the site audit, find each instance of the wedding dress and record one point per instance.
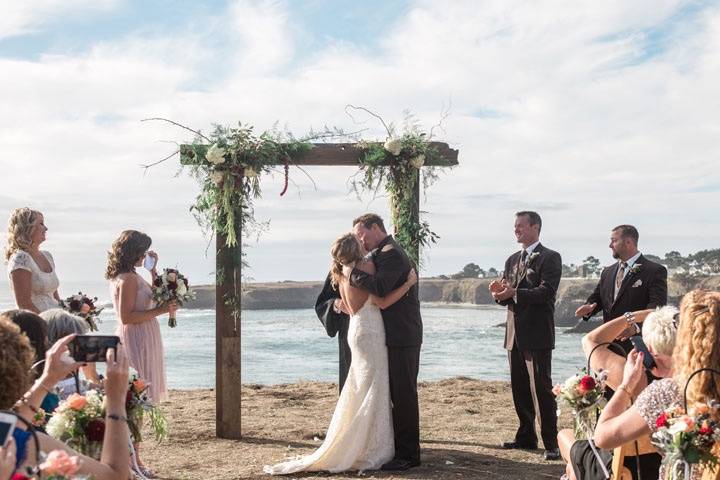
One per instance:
(42, 284)
(360, 435)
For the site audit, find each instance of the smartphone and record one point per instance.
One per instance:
(149, 262)
(639, 345)
(92, 348)
(7, 426)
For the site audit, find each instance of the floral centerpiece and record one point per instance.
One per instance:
(83, 306)
(583, 394)
(137, 404)
(79, 421)
(688, 439)
(171, 286)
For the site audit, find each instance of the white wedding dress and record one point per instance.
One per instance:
(360, 435)
(42, 284)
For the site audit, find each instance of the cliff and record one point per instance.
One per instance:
(571, 294)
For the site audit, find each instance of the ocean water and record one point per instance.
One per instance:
(282, 346)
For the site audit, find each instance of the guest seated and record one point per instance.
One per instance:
(16, 358)
(630, 414)
(61, 324)
(658, 330)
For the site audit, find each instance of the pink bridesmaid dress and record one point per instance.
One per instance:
(142, 341)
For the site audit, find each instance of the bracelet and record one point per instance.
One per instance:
(629, 318)
(118, 418)
(627, 391)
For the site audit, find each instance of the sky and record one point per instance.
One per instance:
(592, 113)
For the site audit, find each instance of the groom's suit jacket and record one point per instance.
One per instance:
(532, 315)
(403, 323)
(644, 286)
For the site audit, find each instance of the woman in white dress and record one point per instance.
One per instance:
(360, 435)
(31, 271)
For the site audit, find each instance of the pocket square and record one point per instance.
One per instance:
(637, 284)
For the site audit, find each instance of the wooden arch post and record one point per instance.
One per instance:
(227, 325)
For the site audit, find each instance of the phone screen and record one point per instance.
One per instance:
(6, 430)
(92, 348)
(640, 346)
(149, 262)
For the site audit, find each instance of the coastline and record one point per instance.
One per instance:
(460, 433)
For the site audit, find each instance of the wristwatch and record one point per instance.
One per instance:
(630, 320)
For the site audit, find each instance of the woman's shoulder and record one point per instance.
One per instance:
(20, 259)
(126, 277)
(656, 397)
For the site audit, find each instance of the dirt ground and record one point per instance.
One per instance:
(463, 421)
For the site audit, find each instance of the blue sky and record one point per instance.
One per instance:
(592, 113)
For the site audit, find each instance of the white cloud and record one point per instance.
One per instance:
(28, 16)
(558, 109)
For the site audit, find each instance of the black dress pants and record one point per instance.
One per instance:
(404, 363)
(530, 377)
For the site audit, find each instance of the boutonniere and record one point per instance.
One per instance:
(533, 256)
(637, 284)
(635, 268)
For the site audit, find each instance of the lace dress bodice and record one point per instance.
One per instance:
(43, 284)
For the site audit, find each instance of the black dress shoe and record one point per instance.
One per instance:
(519, 446)
(552, 454)
(400, 464)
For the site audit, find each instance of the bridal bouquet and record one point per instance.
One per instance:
(79, 422)
(583, 393)
(688, 439)
(136, 404)
(83, 306)
(170, 286)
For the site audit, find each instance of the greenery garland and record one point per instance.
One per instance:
(396, 164)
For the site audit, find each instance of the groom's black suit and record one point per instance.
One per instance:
(403, 335)
(335, 324)
(530, 339)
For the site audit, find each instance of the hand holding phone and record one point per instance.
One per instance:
(150, 261)
(7, 425)
(639, 345)
(92, 348)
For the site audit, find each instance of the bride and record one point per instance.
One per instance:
(360, 435)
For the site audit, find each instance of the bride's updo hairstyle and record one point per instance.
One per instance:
(129, 247)
(345, 250)
(20, 228)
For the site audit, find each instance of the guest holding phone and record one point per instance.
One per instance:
(138, 328)
(31, 271)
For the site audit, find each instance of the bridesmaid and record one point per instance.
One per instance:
(31, 271)
(138, 327)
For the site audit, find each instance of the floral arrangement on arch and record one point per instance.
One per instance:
(688, 439)
(583, 394)
(83, 306)
(79, 421)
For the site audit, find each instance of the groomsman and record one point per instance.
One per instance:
(528, 289)
(332, 313)
(633, 283)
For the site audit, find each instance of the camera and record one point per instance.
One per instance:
(92, 348)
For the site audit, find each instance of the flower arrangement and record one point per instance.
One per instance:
(583, 393)
(395, 164)
(79, 421)
(83, 306)
(170, 286)
(59, 465)
(688, 438)
(136, 404)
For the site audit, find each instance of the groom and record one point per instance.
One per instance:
(403, 333)
(528, 289)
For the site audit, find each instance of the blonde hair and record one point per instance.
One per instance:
(344, 251)
(698, 345)
(659, 330)
(20, 229)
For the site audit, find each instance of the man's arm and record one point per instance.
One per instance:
(324, 308)
(549, 282)
(595, 298)
(657, 290)
(389, 269)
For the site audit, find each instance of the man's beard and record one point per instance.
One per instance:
(615, 255)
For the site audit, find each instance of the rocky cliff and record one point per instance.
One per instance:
(571, 294)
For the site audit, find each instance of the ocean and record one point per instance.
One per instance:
(284, 346)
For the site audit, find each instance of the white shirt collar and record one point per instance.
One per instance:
(631, 261)
(532, 247)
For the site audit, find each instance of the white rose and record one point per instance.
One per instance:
(217, 177)
(393, 145)
(182, 289)
(249, 172)
(418, 161)
(215, 154)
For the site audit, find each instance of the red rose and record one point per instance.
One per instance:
(587, 383)
(705, 429)
(661, 421)
(128, 397)
(19, 476)
(95, 430)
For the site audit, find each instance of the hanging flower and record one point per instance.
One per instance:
(418, 161)
(215, 154)
(250, 172)
(393, 145)
(217, 177)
